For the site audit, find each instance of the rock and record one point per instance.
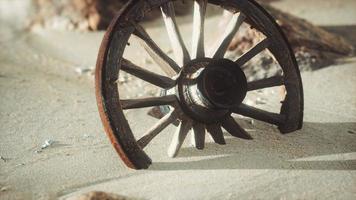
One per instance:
(4, 159)
(96, 195)
(4, 188)
(83, 70)
(74, 14)
(86, 14)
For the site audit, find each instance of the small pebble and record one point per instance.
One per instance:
(47, 144)
(4, 189)
(38, 151)
(3, 159)
(81, 71)
(21, 164)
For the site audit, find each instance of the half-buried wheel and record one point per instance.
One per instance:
(200, 91)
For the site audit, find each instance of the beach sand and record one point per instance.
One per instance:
(46, 94)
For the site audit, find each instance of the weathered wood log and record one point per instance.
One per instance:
(303, 34)
(300, 33)
(313, 46)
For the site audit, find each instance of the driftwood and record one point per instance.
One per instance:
(313, 46)
(303, 34)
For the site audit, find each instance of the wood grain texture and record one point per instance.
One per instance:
(180, 51)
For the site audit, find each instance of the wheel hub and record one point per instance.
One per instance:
(208, 88)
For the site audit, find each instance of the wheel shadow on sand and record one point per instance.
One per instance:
(318, 146)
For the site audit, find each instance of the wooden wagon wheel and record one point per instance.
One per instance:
(202, 91)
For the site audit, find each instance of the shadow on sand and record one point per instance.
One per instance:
(318, 146)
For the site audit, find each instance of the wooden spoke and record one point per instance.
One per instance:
(169, 118)
(231, 29)
(231, 126)
(262, 115)
(178, 137)
(178, 46)
(252, 52)
(153, 78)
(198, 136)
(265, 83)
(198, 50)
(169, 66)
(216, 133)
(148, 102)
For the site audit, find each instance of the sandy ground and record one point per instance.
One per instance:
(43, 97)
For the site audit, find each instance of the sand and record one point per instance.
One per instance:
(43, 97)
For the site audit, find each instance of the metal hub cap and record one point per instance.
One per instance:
(223, 83)
(208, 88)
